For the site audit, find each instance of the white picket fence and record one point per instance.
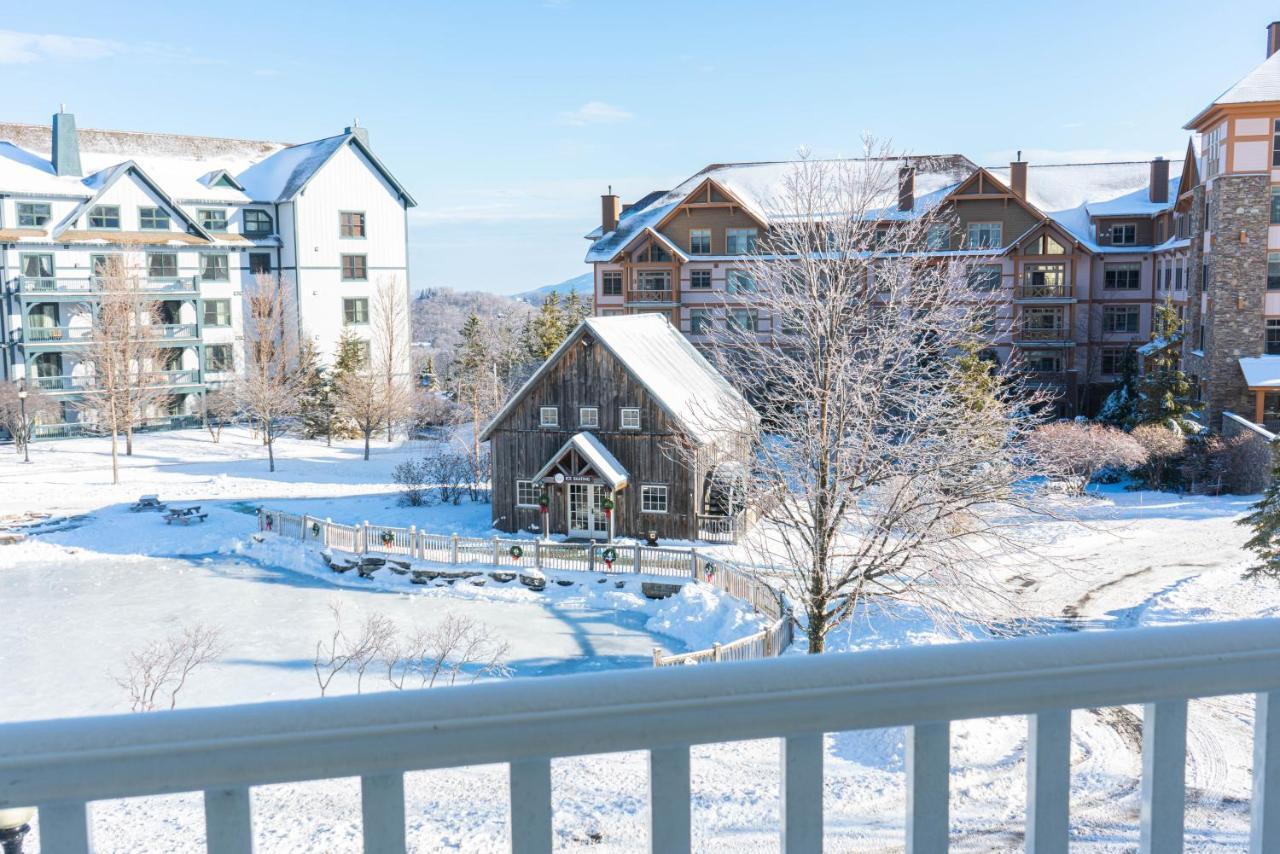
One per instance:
(731, 578)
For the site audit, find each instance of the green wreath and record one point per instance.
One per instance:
(607, 505)
(388, 538)
(610, 554)
(516, 552)
(315, 528)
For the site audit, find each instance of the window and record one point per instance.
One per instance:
(1121, 277)
(162, 265)
(153, 219)
(743, 318)
(653, 498)
(362, 351)
(548, 416)
(527, 493)
(351, 224)
(355, 311)
(986, 277)
(215, 267)
(1273, 336)
(1275, 205)
(1124, 234)
(657, 253)
(588, 416)
(1120, 318)
(33, 214)
(217, 312)
(212, 219)
(611, 283)
(699, 321)
(1275, 145)
(218, 358)
(739, 241)
(1044, 280)
(939, 236)
(630, 418)
(257, 222)
(1114, 359)
(740, 282)
(985, 235)
(699, 241)
(354, 269)
(1046, 245)
(1273, 271)
(1043, 324)
(37, 267)
(1042, 361)
(105, 216)
(103, 264)
(259, 262)
(653, 281)
(700, 280)
(1178, 282)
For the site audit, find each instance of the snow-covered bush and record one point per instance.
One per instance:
(1239, 465)
(450, 471)
(1083, 451)
(414, 478)
(1163, 446)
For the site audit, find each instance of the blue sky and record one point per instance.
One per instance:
(507, 120)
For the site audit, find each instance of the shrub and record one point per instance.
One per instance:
(413, 477)
(1163, 447)
(1240, 465)
(450, 471)
(1082, 451)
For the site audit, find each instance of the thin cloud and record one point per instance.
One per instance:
(21, 48)
(595, 113)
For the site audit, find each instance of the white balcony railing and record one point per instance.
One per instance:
(62, 765)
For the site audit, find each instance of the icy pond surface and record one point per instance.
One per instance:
(66, 629)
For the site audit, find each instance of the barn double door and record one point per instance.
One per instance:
(586, 512)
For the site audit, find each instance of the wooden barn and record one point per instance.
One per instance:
(626, 417)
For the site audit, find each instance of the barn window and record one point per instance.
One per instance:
(527, 493)
(630, 419)
(653, 499)
(588, 416)
(549, 416)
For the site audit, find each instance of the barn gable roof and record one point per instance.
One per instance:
(678, 378)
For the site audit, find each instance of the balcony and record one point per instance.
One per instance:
(651, 296)
(1044, 335)
(53, 337)
(35, 288)
(61, 766)
(1045, 292)
(80, 383)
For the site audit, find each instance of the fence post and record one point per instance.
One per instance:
(693, 564)
(453, 548)
(591, 557)
(715, 651)
(413, 541)
(635, 561)
(305, 527)
(496, 549)
(537, 553)
(364, 538)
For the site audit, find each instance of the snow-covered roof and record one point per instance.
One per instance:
(605, 464)
(1261, 371)
(1262, 84)
(678, 378)
(759, 187)
(1072, 193)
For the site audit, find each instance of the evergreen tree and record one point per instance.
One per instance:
(1164, 392)
(546, 330)
(1118, 409)
(351, 355)
(575, 311)
(1265, 522)
(316, 398)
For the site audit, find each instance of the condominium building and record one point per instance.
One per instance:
(198, 218)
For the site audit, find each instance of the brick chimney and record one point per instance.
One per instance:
(1273, 38)
(1018, 177)
(610, 211)
(66, 144)
(1159, 192)
(906, 188)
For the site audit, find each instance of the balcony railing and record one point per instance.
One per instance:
(650, 295)
(85, 382)
(90, 286)
(62, 765)
(1045, 291)
(70, 335)
(1042, 333)
(72, 429)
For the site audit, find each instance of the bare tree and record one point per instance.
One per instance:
(1080, 451)
(161, 668)
(269, 392)
(443, 653)
(345, 650)
(20, 420)
(359, 399)
(219, 407)
(875, 471)
(389, 352)
(122, 354)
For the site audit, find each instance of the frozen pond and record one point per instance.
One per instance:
(66, 629)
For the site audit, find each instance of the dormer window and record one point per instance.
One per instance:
(105, 216)
(1124, 234)
(153, 219)
(213, 219)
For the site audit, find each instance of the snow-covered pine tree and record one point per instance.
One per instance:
(1265, 522)
(1164, 391)
(316, 398)
(575, 311)
(1118, 409)
(546, 330)
(350, 356)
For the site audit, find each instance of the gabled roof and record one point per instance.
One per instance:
(286, 173)
(604, 464)
(221, 178)
(1261, 85)
(678, 378)
(100, 182)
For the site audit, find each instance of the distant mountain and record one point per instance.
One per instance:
(584, 285)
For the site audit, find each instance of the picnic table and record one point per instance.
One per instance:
(147, 502)
(185, 515)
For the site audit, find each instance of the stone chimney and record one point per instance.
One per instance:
(358, 132)
(1159, 181)
(610, 211)
(1018, 177)
(1273, 38)
(906, 188)
(66, 144)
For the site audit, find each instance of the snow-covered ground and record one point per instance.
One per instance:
(75, 598)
